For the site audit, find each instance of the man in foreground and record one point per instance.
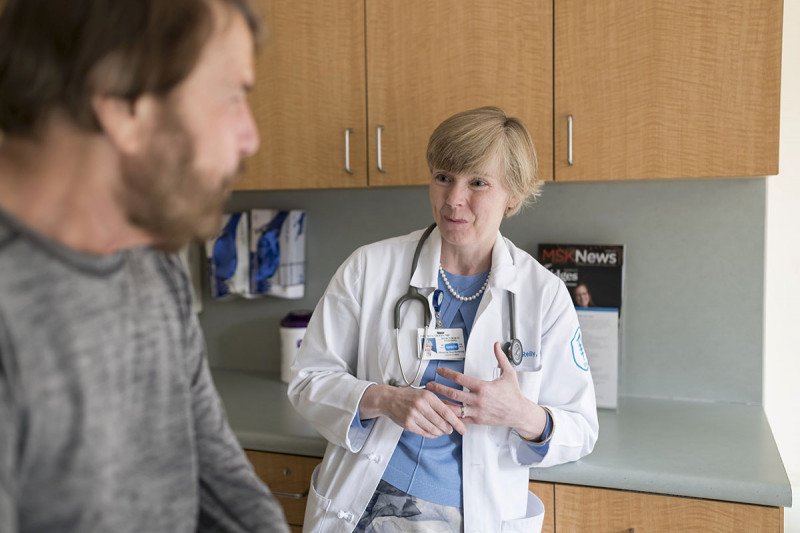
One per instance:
(124, 124)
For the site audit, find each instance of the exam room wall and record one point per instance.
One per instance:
(782, 290)
(694, 291)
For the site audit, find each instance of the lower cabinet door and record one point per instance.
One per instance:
(618, 511)
(547, 493)
(288, 477)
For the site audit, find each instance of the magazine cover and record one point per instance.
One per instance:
(593, 274)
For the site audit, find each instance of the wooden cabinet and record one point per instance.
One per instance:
(547, 493)
(568, 508)
(667, 89)
(654, 89)
(428, 60)
(615, 511)
(410, 64)
(310, 88)
(289, 478)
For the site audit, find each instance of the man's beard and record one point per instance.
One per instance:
(165, 196)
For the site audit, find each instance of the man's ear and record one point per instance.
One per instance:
(126, 123)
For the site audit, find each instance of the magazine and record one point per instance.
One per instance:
(593, 274)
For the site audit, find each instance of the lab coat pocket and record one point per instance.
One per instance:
(317, 505)
(533, 520)
(530, 383)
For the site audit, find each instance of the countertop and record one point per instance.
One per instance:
(718, 451)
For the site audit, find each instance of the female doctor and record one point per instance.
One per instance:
(442, 365)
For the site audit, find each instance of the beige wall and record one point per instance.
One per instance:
(782, 293)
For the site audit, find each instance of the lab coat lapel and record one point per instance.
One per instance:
(504, 273)
(491, 321)
(411, 314)
(427, 273)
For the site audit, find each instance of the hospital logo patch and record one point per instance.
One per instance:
(578, 352)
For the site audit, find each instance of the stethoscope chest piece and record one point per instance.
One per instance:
(513, 350)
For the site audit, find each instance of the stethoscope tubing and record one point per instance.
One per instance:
(413, 295)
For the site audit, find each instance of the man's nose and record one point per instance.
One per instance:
(249, 138)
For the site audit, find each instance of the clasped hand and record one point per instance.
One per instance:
(499, 402)
(492, 403)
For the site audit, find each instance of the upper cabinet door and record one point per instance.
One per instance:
(428, 60)
(670, 89)
(310, 90)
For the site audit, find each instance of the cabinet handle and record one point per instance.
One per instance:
(378, 136)
(569, 140)
(347, 132)
(290, 495)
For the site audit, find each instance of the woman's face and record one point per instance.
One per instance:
(469, 207)
(582, 297)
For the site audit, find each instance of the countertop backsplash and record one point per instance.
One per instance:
(694, 289)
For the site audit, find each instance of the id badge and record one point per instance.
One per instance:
(442, 343)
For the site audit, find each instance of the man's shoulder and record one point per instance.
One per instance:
(171, 270)
(19, 257)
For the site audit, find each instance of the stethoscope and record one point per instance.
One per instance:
(512, 348)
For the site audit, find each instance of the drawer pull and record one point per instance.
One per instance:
(379, 144)
(347, 168)
(570, 161)
(290, 495)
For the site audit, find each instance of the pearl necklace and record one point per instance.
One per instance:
(455, 294)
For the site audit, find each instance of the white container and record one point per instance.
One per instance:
(292, 330)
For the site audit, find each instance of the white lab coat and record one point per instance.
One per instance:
(350, 344)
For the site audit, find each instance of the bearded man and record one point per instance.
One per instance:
(124, 124)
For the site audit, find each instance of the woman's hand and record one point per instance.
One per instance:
(493, 403)
(417, 410)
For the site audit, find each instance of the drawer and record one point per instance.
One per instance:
(547, 493)
(288, 477)
(611, 511)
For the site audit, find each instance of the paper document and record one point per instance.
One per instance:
(600, 327)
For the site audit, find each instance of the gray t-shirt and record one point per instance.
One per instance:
(109, 420)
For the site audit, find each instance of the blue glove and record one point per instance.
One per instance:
(225, 250)
(268, 251)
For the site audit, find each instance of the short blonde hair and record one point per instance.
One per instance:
(467, 142)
